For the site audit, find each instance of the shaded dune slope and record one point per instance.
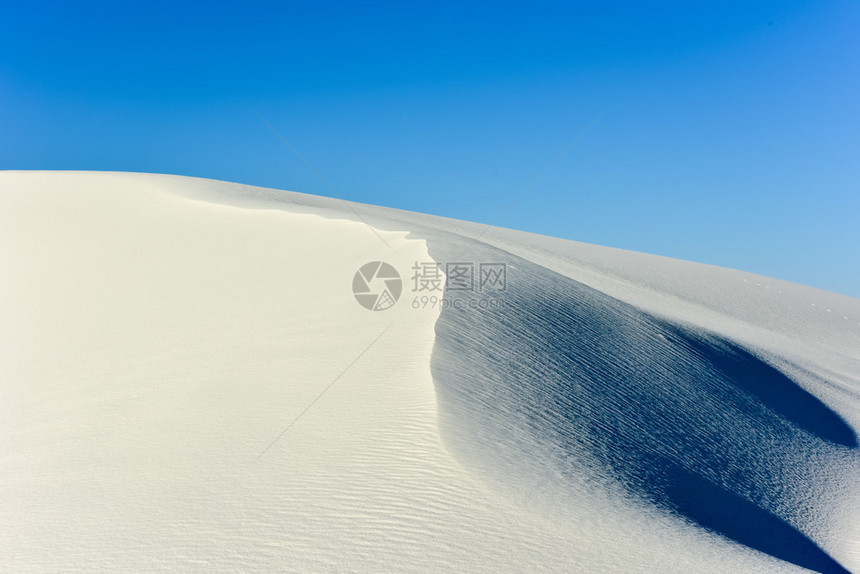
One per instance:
(567, 380)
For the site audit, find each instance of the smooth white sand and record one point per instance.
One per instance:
(152, 345)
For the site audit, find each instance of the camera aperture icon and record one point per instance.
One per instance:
(377, 286)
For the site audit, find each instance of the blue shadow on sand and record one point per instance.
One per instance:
(683, 419)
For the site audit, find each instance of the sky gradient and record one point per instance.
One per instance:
(729, 132)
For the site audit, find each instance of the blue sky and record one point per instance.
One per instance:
(730, 131)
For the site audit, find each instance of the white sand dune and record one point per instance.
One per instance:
(187, 383)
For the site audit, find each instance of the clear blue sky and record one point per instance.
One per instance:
(730, 134)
